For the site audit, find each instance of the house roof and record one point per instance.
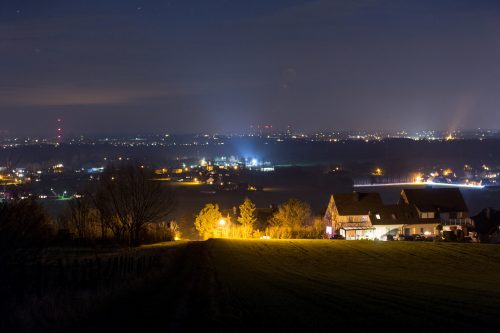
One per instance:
(398, 214)
(393, 214)
(487, 221)
(435, 199)
(356, 203)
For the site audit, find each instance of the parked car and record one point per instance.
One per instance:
(417, 237)
(399, 237)
(337, 236)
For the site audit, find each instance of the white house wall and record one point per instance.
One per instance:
(420, 229)
(381, 231)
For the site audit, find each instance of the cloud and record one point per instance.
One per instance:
(72, 95)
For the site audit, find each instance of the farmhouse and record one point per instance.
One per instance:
(348, 214)
(421, 211)
(446, 205)
(400, 219)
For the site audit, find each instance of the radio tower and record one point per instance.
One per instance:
(59, 131)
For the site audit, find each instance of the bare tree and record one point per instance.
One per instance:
(82, 218)
(135, 199)
(107, 220)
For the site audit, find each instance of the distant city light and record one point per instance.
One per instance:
(471, 186)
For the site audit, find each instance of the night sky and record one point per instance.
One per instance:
(120, 66)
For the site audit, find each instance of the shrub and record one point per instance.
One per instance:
(24, 224)
(160, 232)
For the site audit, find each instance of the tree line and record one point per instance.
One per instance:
(125, 206)
(292, 219)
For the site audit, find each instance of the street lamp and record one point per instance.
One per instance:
(222, 223)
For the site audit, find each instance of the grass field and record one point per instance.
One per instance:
(234, 285)
(361, 284)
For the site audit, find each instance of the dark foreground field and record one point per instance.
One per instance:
(231, 285)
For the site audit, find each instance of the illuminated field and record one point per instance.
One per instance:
(233, 285)
(360, 284)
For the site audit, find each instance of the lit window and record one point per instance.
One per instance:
(377, 216)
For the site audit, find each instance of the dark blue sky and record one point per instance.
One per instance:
(221, 66)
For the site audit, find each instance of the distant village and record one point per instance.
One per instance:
(421, 214)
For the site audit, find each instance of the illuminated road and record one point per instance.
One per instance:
(478, 187)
